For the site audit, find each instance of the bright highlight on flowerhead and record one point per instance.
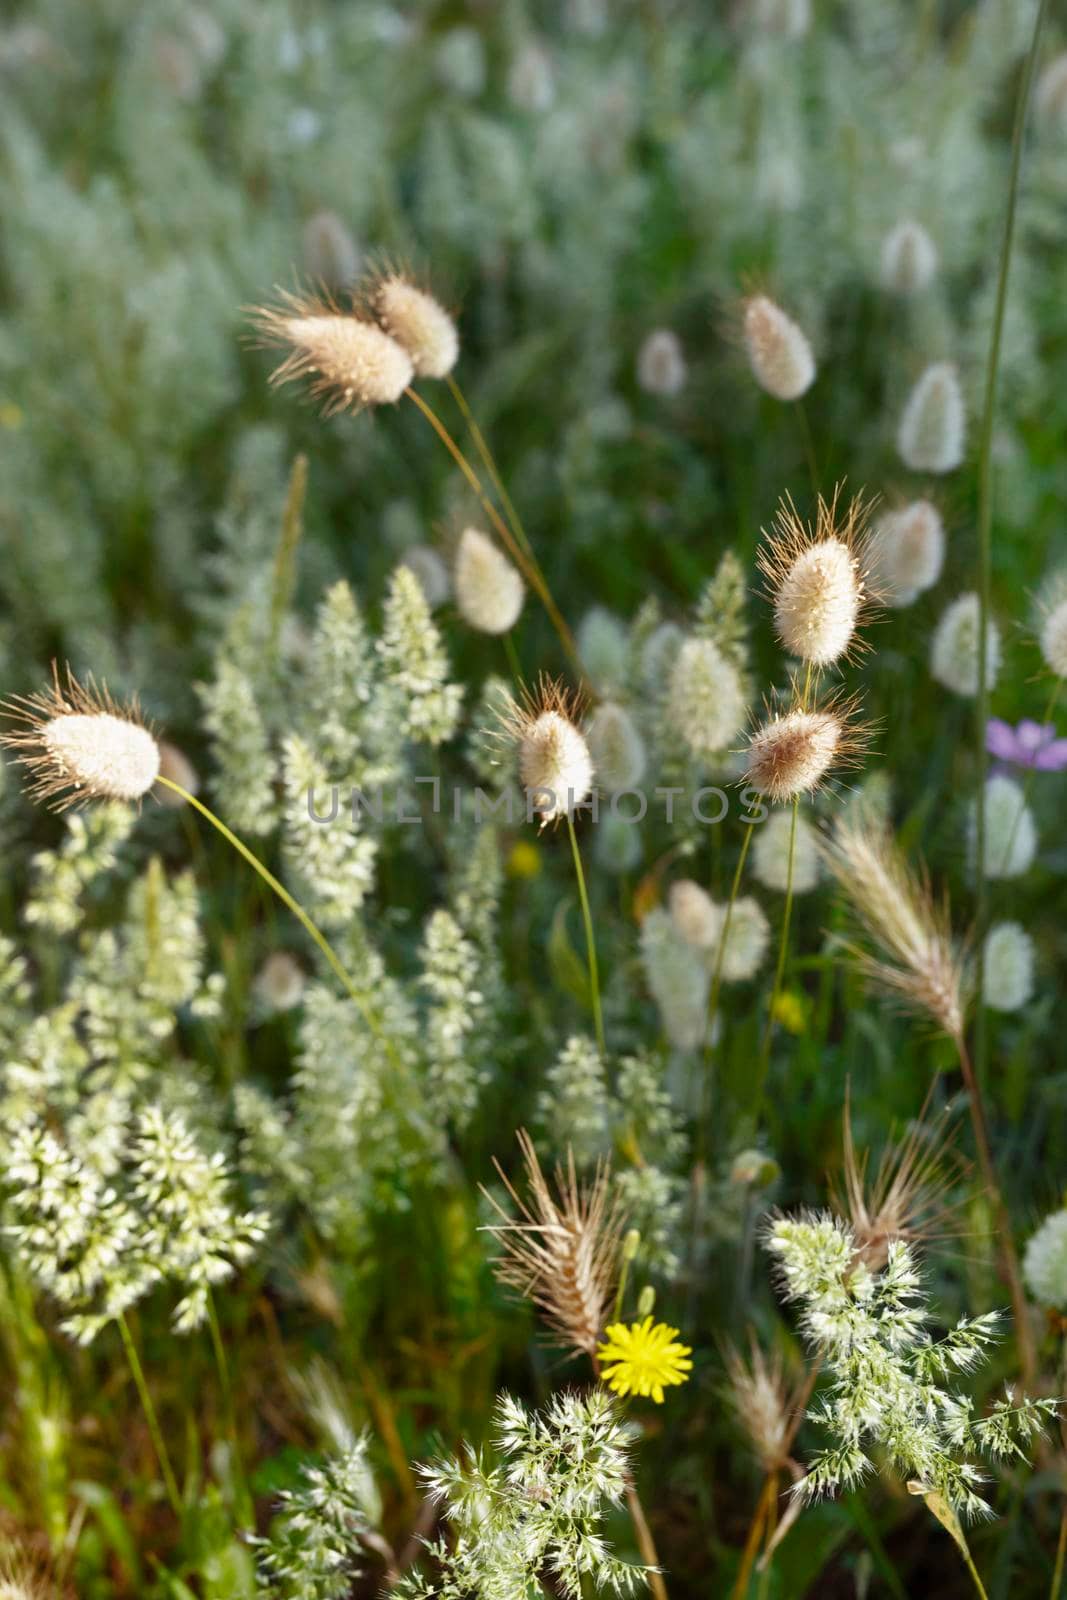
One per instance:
(555, 765)
(778, 350)
(418, 322)
(79, 744)
(352, 363)
(643, 1358)
(793, 751)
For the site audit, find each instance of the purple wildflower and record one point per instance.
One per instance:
(1031, 744)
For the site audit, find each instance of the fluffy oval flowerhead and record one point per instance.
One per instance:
(80, 745)
(431, 572)
(555, 763)
(778, 351)
(351, 362)
(1008, 969)
(331, 256)
(694, 913)
(1045, 1262)
(1053, 635)
(705, 699)
(770, 853)
(661, 367)
(418, 323)
(1050, 96)
(817, 579)
(643, 1358)
(488, 590)
(617, 747)
(907, 552)
(280, 981)
(175, 764)
(954, 647)
(933, 424)
(909, 258)
(792, 752)
(1010, 830)
(747, 939)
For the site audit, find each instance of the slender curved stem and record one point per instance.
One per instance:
(347, 981)
(590, 942)
(223, 1366)
(169, 1480)
(645, 1542)
(985, 524)
(783, 956)
(529, 570)
(1030, 776)
(481, 444)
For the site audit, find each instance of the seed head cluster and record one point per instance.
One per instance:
(80, 745)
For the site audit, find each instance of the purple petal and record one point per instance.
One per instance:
(1000, 740)
(1053, 758)
(1032, 735)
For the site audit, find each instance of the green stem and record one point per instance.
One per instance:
(1061, 1551)
(246, 1511)
(513, 657)
(590, 942)
(985, 526)
(1030, 776)
(973, 1570)
(783, 955)
(347, 982)
(292, 527)
(481, 444)
(169, 1480)
(809, 447)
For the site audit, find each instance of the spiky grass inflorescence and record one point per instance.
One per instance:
(417, 322)
(932, 430)
(792, 752)
(763, 1402)
(907, 552)
(909, 258)
(778, 350)
(352, 363)
(555, 764)
(561, 1249)
(906, 1199)
(79, 744)
(917, 960)
(817, 578)
(488, 590)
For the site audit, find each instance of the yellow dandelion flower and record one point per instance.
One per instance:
(643, 1358)
(524, 860)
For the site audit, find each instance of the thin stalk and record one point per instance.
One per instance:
(1030, 776)
(973, 1570)
(783, 955)
(1008, 1256)
(529, 571)
(809, 447)
(347, 982)
(292, 528)
(513, 657)
(590, 942)
(169, 1480)
(1061, 1552)
(222, 1365)
(481, 444)
(713, 994)
(985, 523)
(645, 1542)
(770, 1482)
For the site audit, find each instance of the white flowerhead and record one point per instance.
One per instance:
(1008, 969)
(954, 648)
(778, 351)
(1050, 96)
(770, 853)
(661, 367)
(617, 747)
(418, 323)
(909, 259)
(696, 917)
(1045, 1262)
(555, 763)
(791, 753)
(531, 80)
(1010, 831)
(1053, 635)
(350, 361)
(677, 975)
(80, 745)
(488, 590)
(816, 579)
(604, 648)
(933, 424)
(280, 982)
(431, 571)
(705, 700)
(746, 940)
(330, 253)
(907, 552)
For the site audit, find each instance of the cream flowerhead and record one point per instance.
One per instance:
(80, 745)
(555, 764)
(351, 362)
(792, 752)
(818, 578)
(417, 321)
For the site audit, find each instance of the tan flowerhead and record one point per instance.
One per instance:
(915, 957)
(555, 764)
(80, 745)
(778, 350)
(907, 1197)
(352, 363)
(418, 322)
(792, 752)
(763, 1402)
(489, 591)
(818, 579)
(561, 1249)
